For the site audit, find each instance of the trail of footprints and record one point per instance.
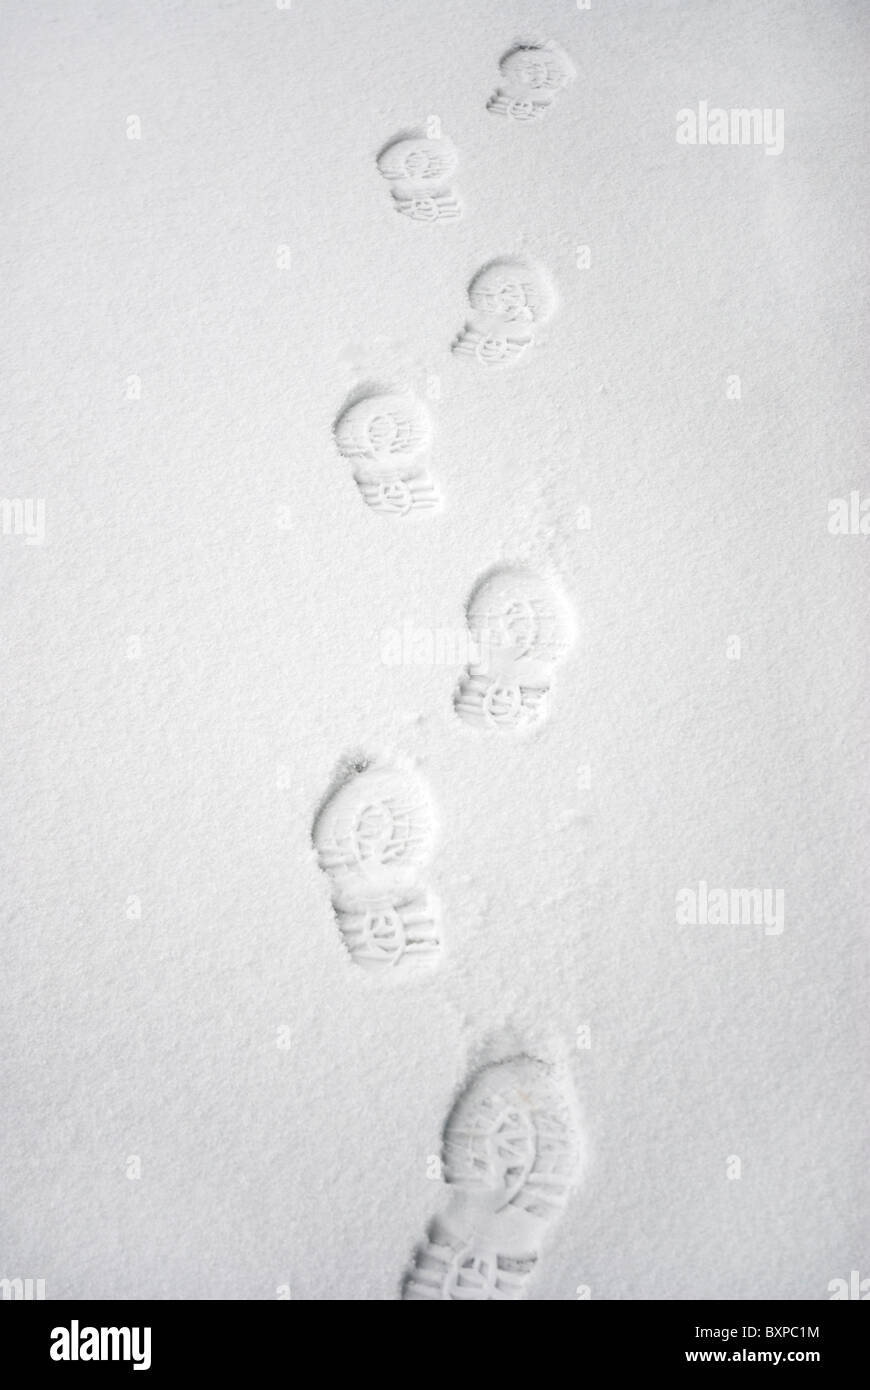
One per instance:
(512, 1144)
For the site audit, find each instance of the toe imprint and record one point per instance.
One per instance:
(418, 161)
(513, 292)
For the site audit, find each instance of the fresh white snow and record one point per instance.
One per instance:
(203, 267)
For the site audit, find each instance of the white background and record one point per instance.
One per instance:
(159, 777)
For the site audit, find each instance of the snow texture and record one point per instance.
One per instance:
(203, 1095)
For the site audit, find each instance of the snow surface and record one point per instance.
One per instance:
(283, 1103)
